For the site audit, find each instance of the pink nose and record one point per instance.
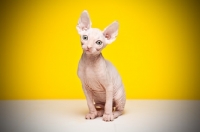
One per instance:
(88, 47)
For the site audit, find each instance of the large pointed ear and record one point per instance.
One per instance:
(84, 22)
(111, 32)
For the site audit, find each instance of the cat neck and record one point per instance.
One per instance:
(91, 58)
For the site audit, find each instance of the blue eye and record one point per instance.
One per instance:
(99, 42)
(85, 37)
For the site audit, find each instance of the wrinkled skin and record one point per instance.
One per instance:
(101, 83)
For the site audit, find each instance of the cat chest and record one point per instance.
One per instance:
(93, 79)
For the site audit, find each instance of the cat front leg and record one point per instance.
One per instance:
(92, 110)
(108, 114)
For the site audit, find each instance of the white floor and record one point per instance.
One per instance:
(68, 116)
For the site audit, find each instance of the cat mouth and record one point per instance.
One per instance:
(88, 51)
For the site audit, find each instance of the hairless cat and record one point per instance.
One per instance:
(101, 83)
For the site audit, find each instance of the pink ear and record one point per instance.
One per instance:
(111, 32)
(84, 22)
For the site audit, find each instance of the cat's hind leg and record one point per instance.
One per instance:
(100, 113)
(119, 108)
(117, 113)
(100, 109)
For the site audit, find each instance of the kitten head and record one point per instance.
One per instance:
(94, 40)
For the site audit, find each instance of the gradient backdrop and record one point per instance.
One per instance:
(157, 51)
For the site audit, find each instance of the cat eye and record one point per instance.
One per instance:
(85, 37)
(99, 42)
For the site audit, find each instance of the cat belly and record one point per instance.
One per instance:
(99, 96)
(98, 91)
(118, 100)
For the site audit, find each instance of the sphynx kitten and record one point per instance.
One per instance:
(101, 83)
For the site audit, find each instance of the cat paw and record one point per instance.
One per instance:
(100, 113)
(91, 115)
(108, 117)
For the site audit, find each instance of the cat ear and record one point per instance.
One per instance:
(84, 22)
(110, 32)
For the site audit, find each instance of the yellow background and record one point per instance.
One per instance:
(156, 51)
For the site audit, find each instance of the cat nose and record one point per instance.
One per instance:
(88, 47)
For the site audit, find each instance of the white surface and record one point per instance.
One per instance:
(68, 116)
